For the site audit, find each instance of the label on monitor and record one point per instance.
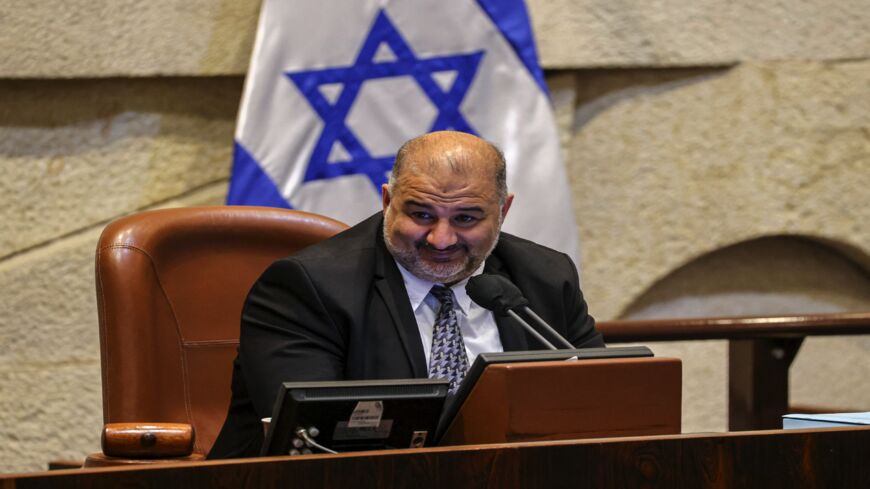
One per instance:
(366, 414)
(344, 432)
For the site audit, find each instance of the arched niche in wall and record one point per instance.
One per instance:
(771, 275)
(764, 276)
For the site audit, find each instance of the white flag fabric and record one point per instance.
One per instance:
(336, 86)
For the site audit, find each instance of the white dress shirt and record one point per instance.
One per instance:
(478, 327)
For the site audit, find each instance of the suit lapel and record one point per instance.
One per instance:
(513, 337)
(391, 288)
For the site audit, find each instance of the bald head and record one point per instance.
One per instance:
(461, 153)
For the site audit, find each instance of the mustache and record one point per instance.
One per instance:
(424, 245)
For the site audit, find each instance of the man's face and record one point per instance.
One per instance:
(441, 225)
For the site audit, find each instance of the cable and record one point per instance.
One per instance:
(303, 433)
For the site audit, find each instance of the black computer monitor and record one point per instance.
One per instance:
(355, 415)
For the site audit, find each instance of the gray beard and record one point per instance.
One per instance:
(447, 273)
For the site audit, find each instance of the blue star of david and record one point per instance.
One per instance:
(365, 68)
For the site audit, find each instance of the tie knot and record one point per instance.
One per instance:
(443, 294)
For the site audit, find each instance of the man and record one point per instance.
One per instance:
(386, 298)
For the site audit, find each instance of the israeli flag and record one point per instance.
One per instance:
(336, 86)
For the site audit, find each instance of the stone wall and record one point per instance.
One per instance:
(702, 138)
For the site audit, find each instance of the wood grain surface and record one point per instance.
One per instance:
(147, 440)
(725, 328)
(835, 458)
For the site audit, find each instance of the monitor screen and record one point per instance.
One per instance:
(354, 415)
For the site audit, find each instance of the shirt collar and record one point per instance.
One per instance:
(418, 289)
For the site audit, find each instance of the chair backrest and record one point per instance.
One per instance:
(170, 288)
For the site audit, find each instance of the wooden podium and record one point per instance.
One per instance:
(558, 400)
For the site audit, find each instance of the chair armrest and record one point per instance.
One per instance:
(147, 440)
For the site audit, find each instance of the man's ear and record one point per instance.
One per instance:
(507, 205)
(385, 195)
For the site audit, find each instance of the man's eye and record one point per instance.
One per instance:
(466, 219)
(421, 215)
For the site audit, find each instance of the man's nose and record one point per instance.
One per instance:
(441, 235)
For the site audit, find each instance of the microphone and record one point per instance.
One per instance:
(499, 295)
(495, 293)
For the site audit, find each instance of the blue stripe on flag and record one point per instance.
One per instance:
(249, 184)
(512, 19)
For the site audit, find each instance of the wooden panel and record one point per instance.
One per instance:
(787, 459)
(735, 327)
(571, 400)
(758, 382)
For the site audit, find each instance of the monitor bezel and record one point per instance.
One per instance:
(291, 409)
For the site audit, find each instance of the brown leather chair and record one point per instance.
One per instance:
(170, 288)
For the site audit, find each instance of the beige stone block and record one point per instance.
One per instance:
(77, 153)
(103, 38)
(831, 372)
(705, 382)
(48, 411)
(563, 96)
(598, 33)
(48, 305)
(212, 194)
(665, 174)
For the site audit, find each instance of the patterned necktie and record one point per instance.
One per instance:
(448, 359)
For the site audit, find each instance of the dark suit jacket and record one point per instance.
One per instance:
(339, 310)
